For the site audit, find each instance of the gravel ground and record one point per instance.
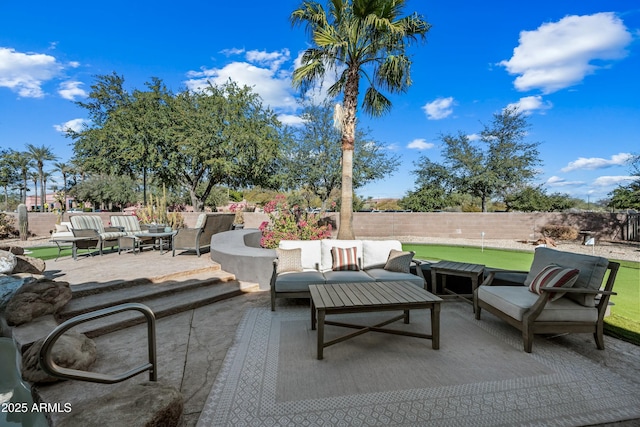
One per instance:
(620, 250)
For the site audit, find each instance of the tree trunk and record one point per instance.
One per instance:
(346, 200)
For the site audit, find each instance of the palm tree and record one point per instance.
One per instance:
(23, 164)
(40, 155)
(354, 36)
(35, 177)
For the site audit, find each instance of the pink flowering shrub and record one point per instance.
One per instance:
(290, 224)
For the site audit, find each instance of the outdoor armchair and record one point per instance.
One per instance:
(198, 238)
(128, 223)
(562, 293)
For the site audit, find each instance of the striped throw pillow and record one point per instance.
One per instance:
(345, 259)
(554, 276)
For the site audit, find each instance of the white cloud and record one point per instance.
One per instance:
(559, 54)
(607, 181)
(75, 125)
(598, 162)
(474, 137)
(291, 119)
(25, 73)
(420, 144)
(71, 90)
(232, 51)
(528, 104)
(439, 109)
(262, 72)
(556, 181)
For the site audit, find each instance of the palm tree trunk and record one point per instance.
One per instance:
(346, 200)
(43, 194)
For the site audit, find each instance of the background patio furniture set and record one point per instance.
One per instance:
(86, 231)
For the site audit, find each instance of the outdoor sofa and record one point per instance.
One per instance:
(300, 263)
(562, 292)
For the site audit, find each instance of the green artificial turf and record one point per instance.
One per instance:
(625, 318)
(50, 252)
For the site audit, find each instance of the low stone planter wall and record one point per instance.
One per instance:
(239, 253)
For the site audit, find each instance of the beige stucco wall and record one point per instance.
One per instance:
(519, 226)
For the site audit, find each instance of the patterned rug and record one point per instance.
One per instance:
(479, 377)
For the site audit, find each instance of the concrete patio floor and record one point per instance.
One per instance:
(192, 345)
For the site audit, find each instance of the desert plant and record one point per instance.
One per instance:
(23, 221)
(7, 227)
(559, 232)
(290, 224)
(155, 212)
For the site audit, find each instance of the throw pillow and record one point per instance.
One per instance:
(399, 261)
(61, 228)
(289, 260)
(554, 276)
(345, 259)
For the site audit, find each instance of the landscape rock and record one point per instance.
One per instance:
(7, 262)
(9, 285)
(150, 404)
(16, 250)
(73, 350)
(27, 264)
(36, 299)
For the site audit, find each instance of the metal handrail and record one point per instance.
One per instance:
(51, 368)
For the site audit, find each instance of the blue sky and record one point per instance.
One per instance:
(573, 66)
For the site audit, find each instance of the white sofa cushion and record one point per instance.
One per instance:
(289, 260)
(376, 252)
(516, 300)
(309, 252)
(326, 260)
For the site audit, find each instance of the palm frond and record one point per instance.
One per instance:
(375, 103)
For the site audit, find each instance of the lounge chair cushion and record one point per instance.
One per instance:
(298, 281)
(515, 300)
(554, 276)
(61, 228)
(592, 270)
(344, 259)
(399, 261)
(289, 260)
(202, 219)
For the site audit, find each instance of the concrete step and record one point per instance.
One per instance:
(138, 291)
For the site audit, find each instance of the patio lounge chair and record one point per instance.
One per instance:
(128, 223)
(198, 238)
(92, 226)
(568, 301)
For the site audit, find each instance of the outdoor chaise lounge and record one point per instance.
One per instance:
(561, 294)
(198, 238)
(92, 226)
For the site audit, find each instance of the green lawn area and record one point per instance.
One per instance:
(625, 314)
(50, 252)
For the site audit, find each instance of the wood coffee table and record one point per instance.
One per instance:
(371, 297)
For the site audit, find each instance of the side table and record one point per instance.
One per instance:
(460, 269)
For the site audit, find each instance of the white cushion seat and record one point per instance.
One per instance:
(382, 275)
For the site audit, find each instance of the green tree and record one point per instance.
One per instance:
(362, 39)
(40, 155)
(23, 163)
(501, 160)
(313, 160)
(628, 197)
(8, 175)
(536, 199)
(106, 191)
(433, 190)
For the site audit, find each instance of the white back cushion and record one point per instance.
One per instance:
(310, 251)
(376, 252)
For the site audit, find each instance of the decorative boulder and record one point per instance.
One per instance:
(73, 350)
(7, 262)
(9, 285)
(36, 299)
(27, 264)
(16, 250)
(151, 404)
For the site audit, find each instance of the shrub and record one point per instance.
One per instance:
(559, 232)
(290, 224)
(7, 226)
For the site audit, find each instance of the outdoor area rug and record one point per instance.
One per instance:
(480, 376)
